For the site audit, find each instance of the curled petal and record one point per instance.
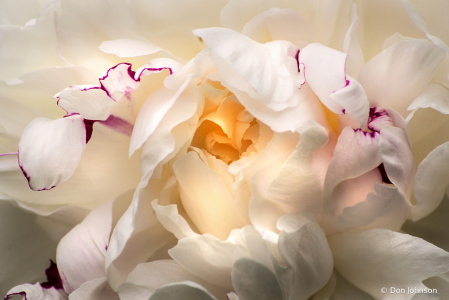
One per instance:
(119, 81)
(186, 290)
(49, 151)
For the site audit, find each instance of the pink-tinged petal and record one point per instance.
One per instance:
(81, 253)
(267, 72)
(391, 78)
(128, 47)
(36, 292)
(380, 258)
(356, 153)
(397, 158)
(431, 181)
(325, 72)
(146, 278)
(91, 102)
(118, 81)
(387, 208)
(95, 289)
(50, 151)
(353, 99)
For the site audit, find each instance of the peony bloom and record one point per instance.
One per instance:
(224, 150)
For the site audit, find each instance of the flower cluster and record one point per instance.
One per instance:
(235, 150)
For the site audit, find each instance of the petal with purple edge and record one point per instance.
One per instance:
(49, 151)
(36, 291)
(119, 81)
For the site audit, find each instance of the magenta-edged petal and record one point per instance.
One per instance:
(91, 102)
(49, 151)
(36, 292)
(325, 72)
(119, 81)
(158, 65)
(353, 99)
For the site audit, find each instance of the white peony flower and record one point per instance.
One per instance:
(229, 149)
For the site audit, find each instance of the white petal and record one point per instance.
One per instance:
(418, 19)
(28, 48)
(50, 151)
(36, 292)
(381, 258)
(95, 289)
(388, 209)
(187, 290)
(208, 258)
(146, 278)
(353, 99)
(18, 12)
(355, 60)
(345, 290)
(252, 280)
(153, 111)
(119, 81)
(206, 198)
(268, 73)
(431, 182)
(128, 47)
(356, 153)
(435, 96)
(81, 253)
(391, 78)
(397, 158)
(91, 102)
(308, 258)
(324, 72)
(172, 221)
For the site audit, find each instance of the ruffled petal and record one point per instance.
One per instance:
(146, 278)
(378, 258)
(50, 151)
(268, 73)
(435, 96)
(252, 280)
(391, 78)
